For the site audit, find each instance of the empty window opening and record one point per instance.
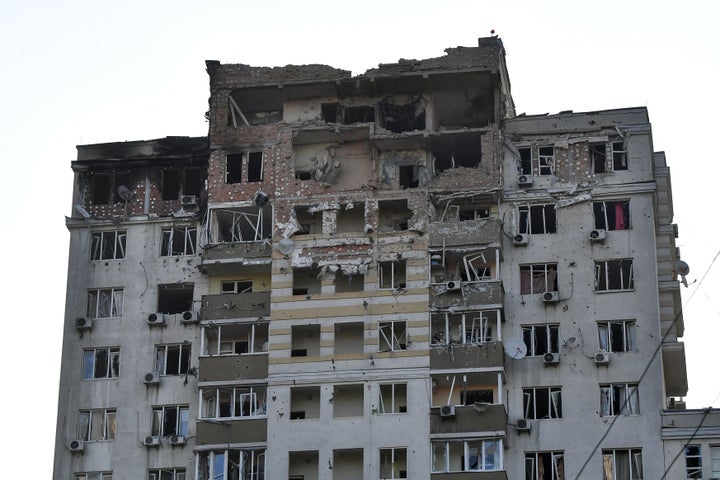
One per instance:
(179, 240)
(473, 213)
(255, 167)
(243, 224)
(539, 278)
(303, 175)
(236, 286)
(402, 118)
(598, 157)
(96, 425)
(108, 245)
(391, 275)
(619, 156)
(102, 191)
(541, 403)
(358, 114)
(170, 420)
(471, 397)
(617, 336)
(350, 218)
(612, 215)
(461, 328)
(235, 166)
(233, 170)
(454, 152)
(347, 463)
(537, 219)
(525, 160)
(167, 474)
(175, 298)
(541, 339)
(693, 461)
(235, 339)
(467, 456)
(306, 281)
(105, 303)
(461, 266)
(304, 403)
(303, 465)
(619, 399)
(233, 402)
(329, 112)
(349, 282)
(614, 275)
(463, 389)
(392, 336)
(393, 463)
(310, 220)
(193, 182)
(409, 176)
(392, 398)
(231, 464)
(256, 106)
(170, 184)
(349, 338)
(172, 359)
(101, 363)
(305, 341)
(348, 400)
(393, 215)
(546, 160)
(545, 466)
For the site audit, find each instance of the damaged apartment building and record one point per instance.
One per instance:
(382, 276)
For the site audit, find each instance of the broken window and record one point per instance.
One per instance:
(306, 281)
(471, 397)
(108, 245)
(175, 297)
(456, 151)
(392, 275)
(598, 157)
(243, 224)
(329, 112)
(622, 464)
(541, 339)
(464, 456)
(170, 184)
(538, 278)
(619, 156)
(304, 403)
(400, 118)
(619, 399)
(178, 240)
(235, 339)
(177, 181)
(349, 282)
(104, 186)
(537, 219)
(357, 114)
(469, 213)
(693, 461)
(305, 341)
(97, 424)
(236, 163)
(231, 464)
(545, 466)
(461, 328)
(233, 402)
(310, 220)
(236, 286)
(409, 176)
(393, 215)
(546, 160)
(525, 161)
(543, 402)
(172, 359)
(465, 389)
(617, 336)
(348, 400)
(393, 463)
(349, 338)
(166, 474)
(351, 218)
(105, 302)
(392, 398)
(93, 476)
(612, 215)
(101, 363)
(392, 336)
(170, 420)
(614, 275)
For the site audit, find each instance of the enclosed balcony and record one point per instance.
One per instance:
(232, 351)
(235, 305)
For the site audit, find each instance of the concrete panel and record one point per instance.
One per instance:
(472, 293)
(235, 305)
(471, 232)
(486, 355)
(238, 431)
(224, 251)
(487, 418)
(232, 367)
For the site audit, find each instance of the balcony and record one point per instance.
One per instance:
(231, 431)
(475, 294)
(233, 367)
(235, 305)
(471, 232)
(673, 356)
(470, 418)
(484, 355)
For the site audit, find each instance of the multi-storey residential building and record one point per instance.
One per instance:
(381, 276)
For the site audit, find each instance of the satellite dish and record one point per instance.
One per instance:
(286, 246)
(682, 269)
(125, 193)
(515, 348)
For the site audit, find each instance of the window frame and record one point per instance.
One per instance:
(546, 161)
(635, 472)
(607, 270)
(619, 156)
(184, 358)
(552, 332)
(177, 473)
(393, 343)
(93, 476)
(536, 269)
(619, 399)
(246, 158)
(527, 214)
(715, 461)
(693, 462)
(95, 302)
(256, 394)
(553, 402)
(600, 215)
(383, 469)
(396, 407)
(597, 152)
(98, 244)
(182, 420)
(606, 335)
(112, 367)
(394, 266)
(107, 424)
(473, 335)
(525, 164)
(167, 243)
(556, 458)
(485, 443)
(206, 469)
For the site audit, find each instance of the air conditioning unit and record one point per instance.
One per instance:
(551, 358)
(188, 201)
(525, 180)
(83, 323)
(447, 411)
(521, 239)
(551, 297)
(190, 316)
(151, 378)
(152, 441)
(602, 358)
(177, 440)
(452, 285)
(597, 235)
(156, 319)
(522, 425)
(76, 446)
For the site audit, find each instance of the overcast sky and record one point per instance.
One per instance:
(79, 72)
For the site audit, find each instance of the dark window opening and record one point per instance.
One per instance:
(614, 215)
(175, 298)
(457, 152)
(393, 215)
(255, 167)
(539, 403)
(539, 278)
(233, 172)
(402, 118)
(170, 184)
(297, 415)
(237, 286)
(303, 175)
(541, 339)
(329, 112)
(306, 281)
(614, 275)
(597, 157)
(349, 282)
(305, 340)
(180, 240)
(470, 397)
(468, 214)
(193, 182)
(619, 156)
(525, 160)
(538, 219)
(102, 188)
(409, 176)
(360, 114)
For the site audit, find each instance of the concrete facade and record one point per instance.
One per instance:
(383, 276)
